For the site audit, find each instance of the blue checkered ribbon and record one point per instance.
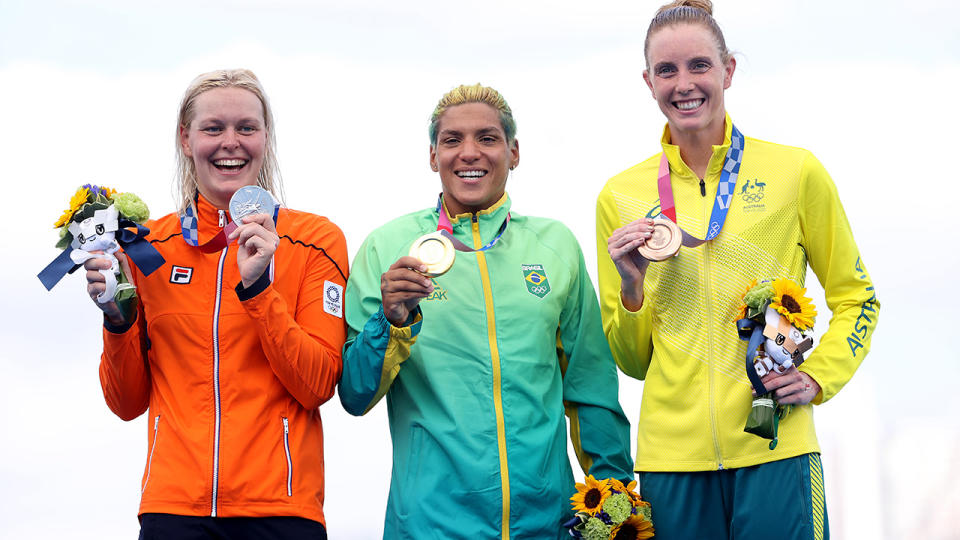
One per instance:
(188, 225)
(189, 222)
(728, 181)
(725, 189)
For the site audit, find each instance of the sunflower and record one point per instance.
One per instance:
(590, 495)
(633, 528)
(742, 312)
(789, 301)
(76, 202)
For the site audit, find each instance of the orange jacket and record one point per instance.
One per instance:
(233, 379)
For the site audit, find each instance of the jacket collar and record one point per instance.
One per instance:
(716, 159)
(203, 225)
(489, 220)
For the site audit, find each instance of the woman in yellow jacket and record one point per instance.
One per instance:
(766, 211)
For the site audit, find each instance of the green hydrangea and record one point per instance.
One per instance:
(131, 206)
(65, 237)
(618, 507)
(758, 295)
(594, 529)
(646, 512)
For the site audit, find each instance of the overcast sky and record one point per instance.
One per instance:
(90, 93)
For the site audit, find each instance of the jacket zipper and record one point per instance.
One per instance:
(711, 379)
(153, 446)
(710, 360)
(216, 377)
(497, 397)
(286, 448)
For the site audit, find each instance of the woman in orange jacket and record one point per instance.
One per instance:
(236, 340)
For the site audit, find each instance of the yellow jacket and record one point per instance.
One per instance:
(683, 341)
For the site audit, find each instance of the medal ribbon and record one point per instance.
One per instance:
(188, 225)
(721, 204)
(446, 228)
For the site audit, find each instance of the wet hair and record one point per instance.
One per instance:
(186, 180)
(474, 94)
(686, 12)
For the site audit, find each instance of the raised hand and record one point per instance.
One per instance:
(402, 287)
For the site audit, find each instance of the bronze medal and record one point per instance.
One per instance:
(664, 243)
(434, 250)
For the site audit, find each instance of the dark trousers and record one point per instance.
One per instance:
(174, 527)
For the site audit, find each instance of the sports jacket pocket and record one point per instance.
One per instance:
(286, 449)
(153, 447)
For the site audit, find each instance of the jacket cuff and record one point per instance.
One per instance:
(119, 329)
(256, 288)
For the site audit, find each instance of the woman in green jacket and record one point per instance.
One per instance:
(479, 364)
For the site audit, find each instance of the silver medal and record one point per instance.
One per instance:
(250, 200)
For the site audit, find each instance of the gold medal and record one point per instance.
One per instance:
(664, 243)
(434, 250)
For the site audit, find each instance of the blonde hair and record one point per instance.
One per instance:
(186, 182)
(686, 12)
(475, 93)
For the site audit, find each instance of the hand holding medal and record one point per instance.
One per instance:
(254, 230)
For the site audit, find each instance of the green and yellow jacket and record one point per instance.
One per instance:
(478, 381)
(683, 341)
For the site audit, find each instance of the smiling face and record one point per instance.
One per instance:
(473, 157)
(687, 76)
(226, 140)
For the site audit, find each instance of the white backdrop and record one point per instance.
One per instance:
(90, 92)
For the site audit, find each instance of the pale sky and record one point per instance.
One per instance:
(90, 93)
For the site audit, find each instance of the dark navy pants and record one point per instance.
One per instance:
(174, 527)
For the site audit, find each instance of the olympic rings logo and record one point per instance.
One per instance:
(753, 197)
(539, 289)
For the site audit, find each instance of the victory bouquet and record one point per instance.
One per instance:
(99, 220)
(608, 510)
(776, 319)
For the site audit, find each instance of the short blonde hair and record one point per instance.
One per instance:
(475, 93)
(186, 182)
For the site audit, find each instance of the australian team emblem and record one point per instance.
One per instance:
(536, 279)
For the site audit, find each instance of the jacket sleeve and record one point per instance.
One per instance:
(628, 333)
(375, 349)
(303, 349)
(598, 428)
(124, 373)
(835, 259)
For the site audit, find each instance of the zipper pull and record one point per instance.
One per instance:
(703, 189)
(223, 217)
(286, 426)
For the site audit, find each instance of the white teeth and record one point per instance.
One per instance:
(687, 105)
(470, 174)
(230, 162)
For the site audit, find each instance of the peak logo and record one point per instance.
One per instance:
(654, 212)
(439, 293)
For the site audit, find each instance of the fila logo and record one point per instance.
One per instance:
(181, 275)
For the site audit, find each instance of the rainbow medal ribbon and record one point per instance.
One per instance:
(725, 190)
(438, 249)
